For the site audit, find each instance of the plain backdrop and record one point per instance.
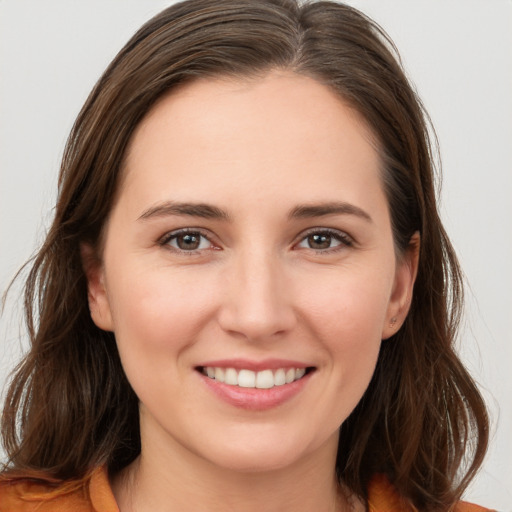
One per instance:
(458, 53)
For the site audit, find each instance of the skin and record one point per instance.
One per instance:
(255, 288)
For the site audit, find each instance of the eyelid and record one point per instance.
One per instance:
(342, 236)
(170, 235)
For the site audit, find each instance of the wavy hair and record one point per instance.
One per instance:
(69, 407)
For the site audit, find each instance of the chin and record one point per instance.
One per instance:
(259, 453)
(256, 461)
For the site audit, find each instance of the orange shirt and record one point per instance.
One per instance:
(95, 495)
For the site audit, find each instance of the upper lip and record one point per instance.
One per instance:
(246, 364)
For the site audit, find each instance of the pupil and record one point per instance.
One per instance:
(319, 241)
(188, 242)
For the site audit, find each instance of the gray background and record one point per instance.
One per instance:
(457, 52)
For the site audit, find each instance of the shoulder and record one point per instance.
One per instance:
(29, 494)
(383, 497)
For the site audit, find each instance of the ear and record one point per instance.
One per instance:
(99, 305)
(401, 296)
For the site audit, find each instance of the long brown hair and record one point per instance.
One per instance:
(70, 408)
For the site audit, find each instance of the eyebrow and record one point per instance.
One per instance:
(203, 210)
(308, 211)
(207, 211)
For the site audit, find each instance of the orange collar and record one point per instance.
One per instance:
(94, 494)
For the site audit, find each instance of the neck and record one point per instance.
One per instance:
(175, 479)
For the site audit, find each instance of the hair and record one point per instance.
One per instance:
(69, 407)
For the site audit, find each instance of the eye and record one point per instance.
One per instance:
(323, 240)
(186, 241)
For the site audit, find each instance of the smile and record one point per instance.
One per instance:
(244, 378)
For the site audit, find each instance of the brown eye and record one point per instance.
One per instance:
(187, 241)
(325, 240)
(319, 241)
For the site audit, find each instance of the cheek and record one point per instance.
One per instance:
(343, 313)
(352, 333)
(158, 310)
(347, 315)
(158, 316)
(348, 306)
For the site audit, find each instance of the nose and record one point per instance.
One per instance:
(257, 300)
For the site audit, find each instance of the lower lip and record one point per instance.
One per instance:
(255, 399)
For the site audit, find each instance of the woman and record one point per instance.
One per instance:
(247, 299)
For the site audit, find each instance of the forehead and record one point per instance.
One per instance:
(279, 128)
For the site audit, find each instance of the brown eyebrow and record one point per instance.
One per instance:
(333, 208)
(206, 211)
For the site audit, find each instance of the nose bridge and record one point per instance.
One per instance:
(258, 303)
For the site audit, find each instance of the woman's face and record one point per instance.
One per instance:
(249, 272)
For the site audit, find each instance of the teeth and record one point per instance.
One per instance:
(246, 379)
(230, 377)
(279, 377)
(290, 375)
(300, 372)
(264, 379)
(219, 374)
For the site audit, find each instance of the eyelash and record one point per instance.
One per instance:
(341, 237)
(174, 235)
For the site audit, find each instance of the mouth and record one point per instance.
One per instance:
(263, 379)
